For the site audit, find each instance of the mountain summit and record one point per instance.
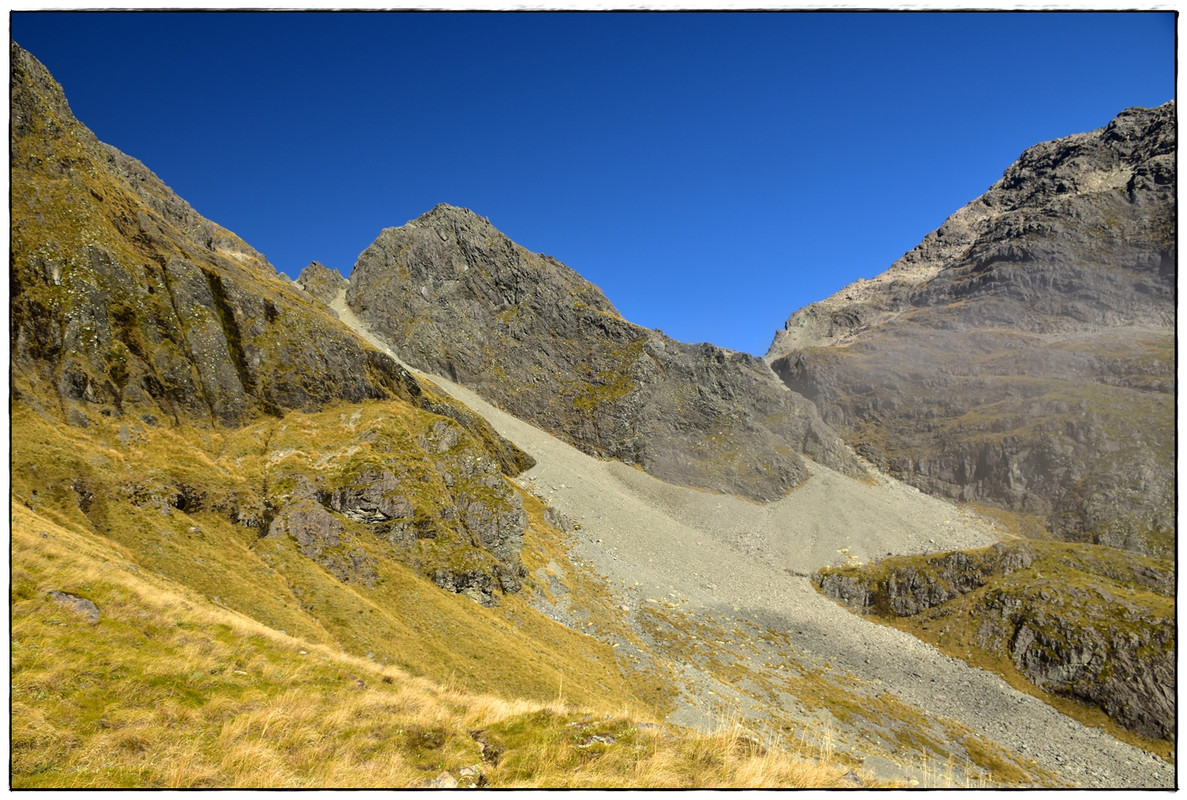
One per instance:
(1023, 354)
(453, 295)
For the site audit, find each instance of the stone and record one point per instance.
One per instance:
(321, 282)
(320, 536)
(1071, 635)
(444, 780)
(78, 604)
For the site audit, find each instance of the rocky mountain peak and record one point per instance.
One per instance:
(1067, 178)
(453, 295)
(321, 282)
(1022, 354)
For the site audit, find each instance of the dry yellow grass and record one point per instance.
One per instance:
(169, 691)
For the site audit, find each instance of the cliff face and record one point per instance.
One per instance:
(454, 296)
(1091, 623)
(129, 306)
(1023, 354)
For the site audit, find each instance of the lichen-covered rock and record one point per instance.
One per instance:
(77, 604)
(1023, 354)
(452, 295)
(320, 536)
(1128, 670)
(126, 301)
(373, 497)
(408, 484)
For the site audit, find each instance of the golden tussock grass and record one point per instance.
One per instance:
(169, 691)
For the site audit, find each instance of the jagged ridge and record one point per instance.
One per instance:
(128, 305)
(454, 296)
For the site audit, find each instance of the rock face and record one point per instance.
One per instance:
(1090, 623)
(321, 282)
(452, 295)
(126, 301)
(127, 304)
(1023, 354)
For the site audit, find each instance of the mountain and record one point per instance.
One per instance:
(251, 548)
(129, 306)
(1093, 624)
(1022, 355)
(454, 296)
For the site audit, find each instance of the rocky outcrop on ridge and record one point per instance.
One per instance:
(321, 282)
(1023, 354)
(454, 296)
(1091, 623)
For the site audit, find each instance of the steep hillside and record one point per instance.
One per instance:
(126, 302)
(1023, 354)
(1093, 624)
(128, 306)
(123, 678)
(251, 548)
(236, 524)
(454, 296)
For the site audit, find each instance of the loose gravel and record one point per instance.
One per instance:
(723, 556)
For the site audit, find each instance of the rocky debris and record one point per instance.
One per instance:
(606, 740)
(1023, 354)
(444, 780)
(321, 282)
(852, 779)
(491, 752)
(546, 345)
(320, 536)
(77, 604)
(1078, 621)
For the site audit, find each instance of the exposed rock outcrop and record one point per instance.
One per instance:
(1023, 354)
(321, 282)
(452, 295)
(126, 301)
(1091, 623)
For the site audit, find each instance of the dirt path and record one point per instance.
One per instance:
(720, 557)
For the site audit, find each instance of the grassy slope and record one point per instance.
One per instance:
(168, 689)
(401, 620)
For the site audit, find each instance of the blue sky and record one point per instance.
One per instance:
(711, 172)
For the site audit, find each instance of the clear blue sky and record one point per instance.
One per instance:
(710, 172)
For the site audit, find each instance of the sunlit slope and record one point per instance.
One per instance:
(172, 506)
(1023, 354)
(122, 678)
(1090, 629)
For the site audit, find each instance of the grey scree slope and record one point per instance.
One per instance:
(721, 554)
